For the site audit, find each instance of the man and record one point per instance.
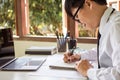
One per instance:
(95, 14)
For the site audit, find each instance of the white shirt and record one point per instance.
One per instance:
(109, 48)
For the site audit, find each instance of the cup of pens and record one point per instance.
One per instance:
(61, 42)
(61, 45)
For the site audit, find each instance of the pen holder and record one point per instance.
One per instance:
(61, 45)
(72, 43)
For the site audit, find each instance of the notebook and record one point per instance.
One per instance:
(41, 50)
(60, 64)
(9, 62)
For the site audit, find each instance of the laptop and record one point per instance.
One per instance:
(9, 62)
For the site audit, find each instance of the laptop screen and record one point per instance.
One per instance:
(6, 46)
(6, 54)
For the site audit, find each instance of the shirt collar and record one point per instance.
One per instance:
(104, 18)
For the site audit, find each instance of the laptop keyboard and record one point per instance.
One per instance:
(33, 63)
(21, 62)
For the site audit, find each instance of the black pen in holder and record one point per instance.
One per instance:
(61, 44)
(72, 43)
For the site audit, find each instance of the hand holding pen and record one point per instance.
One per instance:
(71, 57)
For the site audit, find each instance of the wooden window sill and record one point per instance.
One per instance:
(53, 39)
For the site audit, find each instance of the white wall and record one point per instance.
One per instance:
(20, 46)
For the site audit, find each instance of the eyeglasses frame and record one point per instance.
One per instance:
(76, 14)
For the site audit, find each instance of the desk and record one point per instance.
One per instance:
(30, 75)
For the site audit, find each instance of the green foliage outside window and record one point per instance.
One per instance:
(83, 32)
(7, 14)
(45, 16)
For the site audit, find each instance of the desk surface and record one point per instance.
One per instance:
(40, 74)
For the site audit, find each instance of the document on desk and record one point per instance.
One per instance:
(60, 64)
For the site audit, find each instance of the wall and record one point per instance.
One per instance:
(20, 46)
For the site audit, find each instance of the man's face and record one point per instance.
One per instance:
(87, 17)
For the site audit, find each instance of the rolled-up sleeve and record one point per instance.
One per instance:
(90, 55)
(111, 73)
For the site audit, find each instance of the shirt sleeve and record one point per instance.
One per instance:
(104, 74)
(109, 73)
(90, 55)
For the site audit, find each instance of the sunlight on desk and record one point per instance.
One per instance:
(58, 73)
(44, 72)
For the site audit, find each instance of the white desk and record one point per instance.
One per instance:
(36, 75)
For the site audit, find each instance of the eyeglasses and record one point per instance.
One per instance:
(74, 16)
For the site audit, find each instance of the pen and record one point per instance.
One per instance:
(66, 36)
(71, 52)
(57, 35)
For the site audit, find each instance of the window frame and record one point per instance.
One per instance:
(22, 25)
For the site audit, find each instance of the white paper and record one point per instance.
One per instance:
(48, 72)
(60, 64)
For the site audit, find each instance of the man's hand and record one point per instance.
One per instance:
(71, 58)
(83, 66)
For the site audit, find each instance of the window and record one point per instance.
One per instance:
(7, 14)
(45, 17)
(32, 13)
(83, 32)
(26, 24)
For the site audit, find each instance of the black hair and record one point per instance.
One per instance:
(69, 4)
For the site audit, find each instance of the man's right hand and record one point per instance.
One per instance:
(68, 58)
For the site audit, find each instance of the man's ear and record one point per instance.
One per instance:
(88, 3)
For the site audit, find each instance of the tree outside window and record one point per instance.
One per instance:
(7, 14)
(45, 17)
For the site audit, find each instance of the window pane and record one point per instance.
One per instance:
(45, 17)
(7, 14)
(83, 32)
